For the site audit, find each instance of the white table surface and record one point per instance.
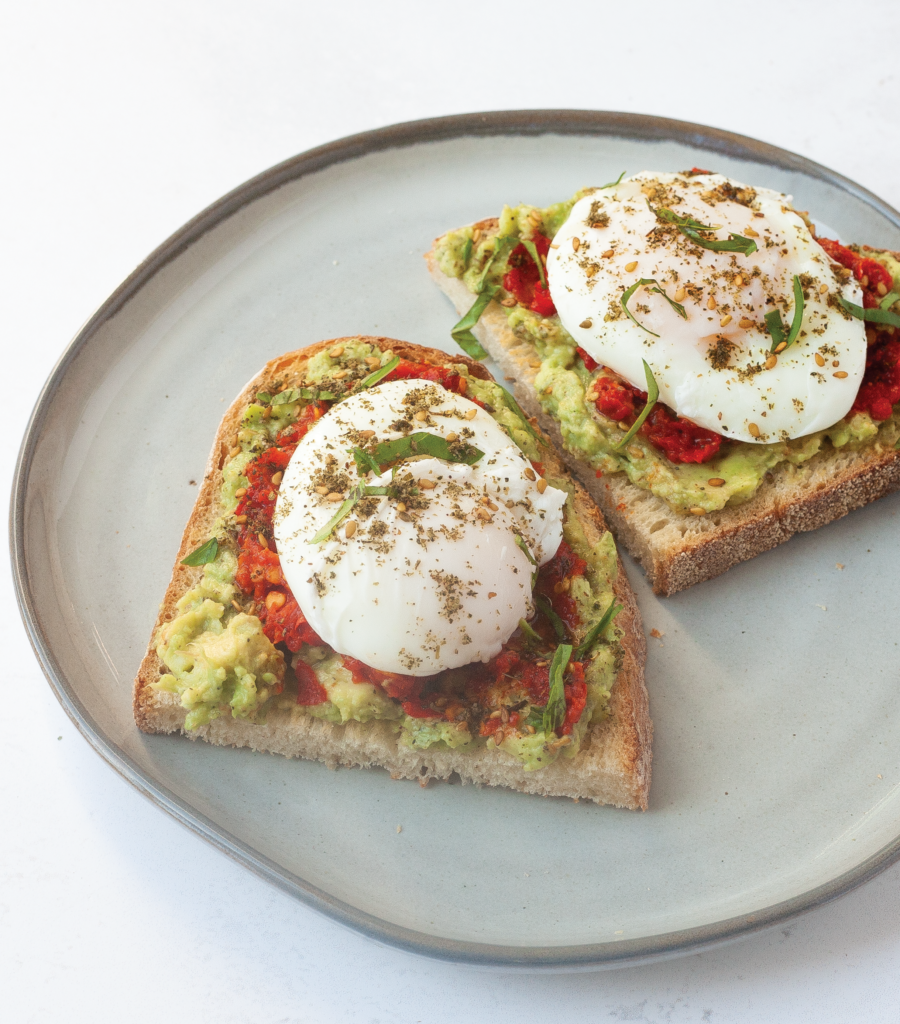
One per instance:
(120, 122)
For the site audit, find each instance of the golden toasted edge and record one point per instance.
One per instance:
(740, 533)
(622, 742)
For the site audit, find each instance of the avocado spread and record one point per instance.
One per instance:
(220, 660)
(563, 380)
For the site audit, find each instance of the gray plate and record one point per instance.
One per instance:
(774, 690)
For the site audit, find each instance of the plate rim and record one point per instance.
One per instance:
(594, 123)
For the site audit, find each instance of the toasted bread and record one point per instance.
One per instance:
(612, 767)
(676, 549)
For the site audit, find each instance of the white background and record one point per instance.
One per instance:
(121, 121)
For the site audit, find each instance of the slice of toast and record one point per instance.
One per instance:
(677, 549)
(613, 765)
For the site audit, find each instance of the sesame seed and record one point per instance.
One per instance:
(321, 490)
(334, 496)
(634, 451)
(606, 255)
(421, 415)
(234, 451)
(711, 302)
(426, 484)
(716, 481)
(493, 507)
(576, 243)
(491, 594)
(401, 506)
(530, 473)
(510, 503)
(277, 478)
(451, 437)
(836, 362)
(336, 352)
(339, 374)
(680, 294)
(262, 540)
(725, 321)
(471, 414)
(271, 495)
(405, 516)
(746, 323)
(236, 606)
(819, 360)
(881, 289)
(754, 429)
(367, 433)
(240, 492)
(738, 281)
(350, 529)
(630, 266)
(622, 425)
(864, 281)
(591, 270)
(562, 586)
(780, 348)
(841, 374)
(751, 233)
(771, 360)
(267, 413)
(586, 323)
(844, 272)
(495, 714)
(275, 600)
(240, 519)
(697, 511)
(823, 288)
(541, 485)
(509, 302)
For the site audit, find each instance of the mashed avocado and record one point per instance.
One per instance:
(220, 661)
(562, 382)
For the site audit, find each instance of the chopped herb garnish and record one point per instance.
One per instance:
(597, 630)
(889, 300)
(462, 331)
(514, 407)
(612, 184)
(776, 326)
(422, 443)
(559, 627)
(555, 711)
(690, 228)
(530, 634)
(263, 398)
(314, 395)
(626, 295)
(205, 553)
(287, 397)
(652, 395)
(501, 245)
(378, 375)
(520, 543)
(875, 316)
(467, 252)
(533, 253)
(364, 462)
(343, 511)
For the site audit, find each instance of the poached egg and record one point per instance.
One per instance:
(438, 573)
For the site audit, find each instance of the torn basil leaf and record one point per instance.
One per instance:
(559, 627)
(364, 462)
(597, 630)
(555, 711)
(529, 633)
(612, 184)
(263, 398)
(531, 248)
(873, 316)
(462, 331)
(467, 252)
(691, 229)
(204, 554)
(514, 407)
(378, 375)
(775, 325)
(652, 396)
(520, 543)
(287, 397)
(343, 511)
(314, 395)
(626, 295)
(889, 300)
(422, 443)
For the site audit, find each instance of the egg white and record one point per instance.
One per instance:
(710, 372)
(440, 589)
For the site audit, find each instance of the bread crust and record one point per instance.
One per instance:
(678, 550)
(614, 765)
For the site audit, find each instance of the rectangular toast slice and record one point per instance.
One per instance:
(678, 549)
(613, 764)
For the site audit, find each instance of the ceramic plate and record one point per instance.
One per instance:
(773, 688)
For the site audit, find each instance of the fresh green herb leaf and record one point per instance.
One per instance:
(378, 375)
(422, 443)
(467, 252)
(555, 711)
(889, 300)
(597, 630)
(314, 395)
(378, 492)
(462, 331)
(897, 446)
(530, 634)
(501, 247)
(263, 398)
(517, 409)
(533, 253)
(612, 184)
(287, 397)
(343, 511)
(690, 228)
(364, 462)
(559, 627)
(652, 396)
(875, 316)
(776, 326)
(520, 543)
(626, 295)
(205, 553)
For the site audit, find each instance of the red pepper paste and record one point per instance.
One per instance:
(523, 279)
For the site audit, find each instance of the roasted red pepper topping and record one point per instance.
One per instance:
(406, 370)
(309, 690)
(870, 273)
(880, 389)
(523, 279)
(679, 439)
(590, 364)
(576, 697)
(554, 583)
